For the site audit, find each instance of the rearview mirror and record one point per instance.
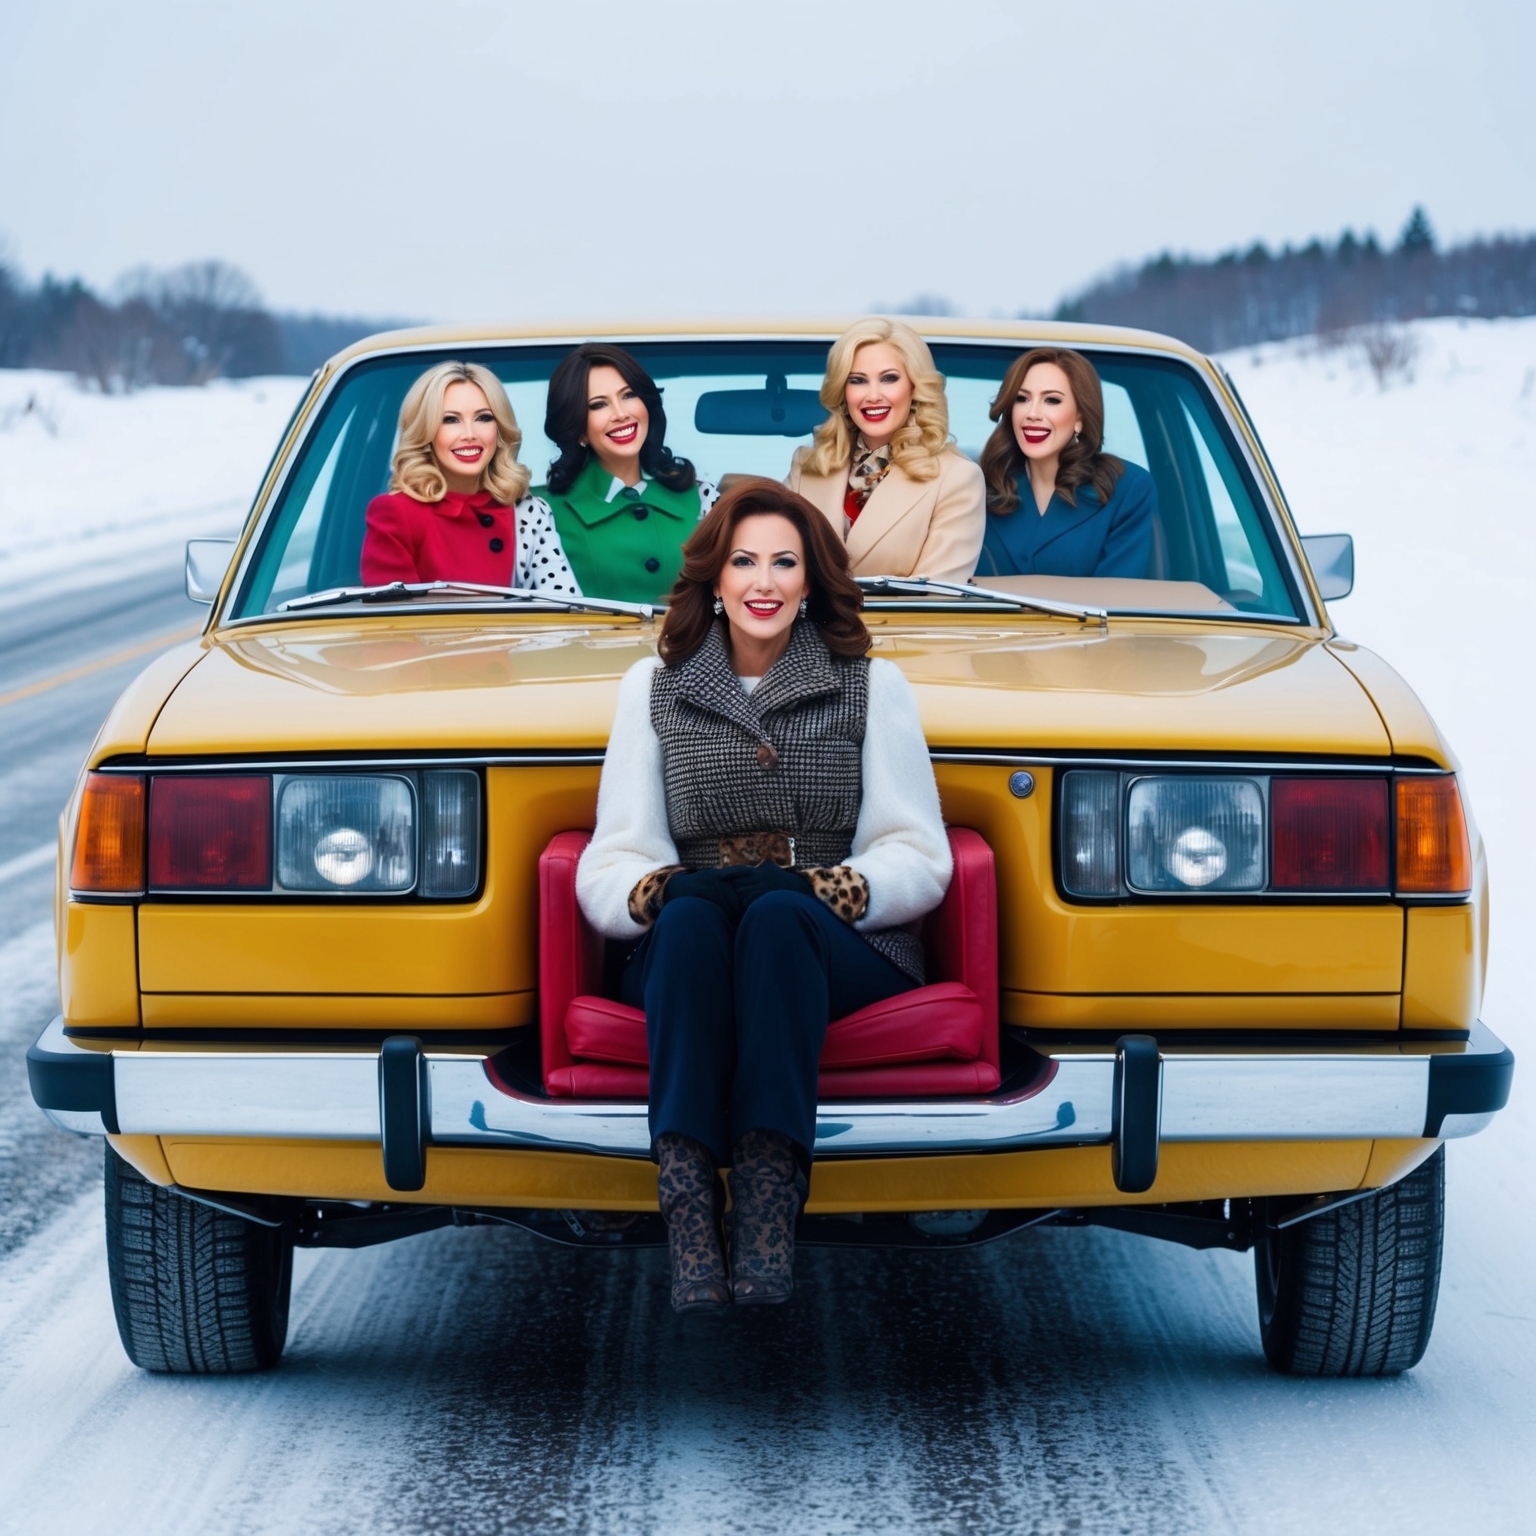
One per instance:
(1332, 558)
(207, 561)
(773, 411)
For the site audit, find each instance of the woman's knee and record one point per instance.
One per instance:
(779, 921)
(691, 921)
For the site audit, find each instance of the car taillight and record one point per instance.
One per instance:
(210, 834)
(1434, 854)
(1329, 834)
(109, 835)
(1090, 832)
(450, 833)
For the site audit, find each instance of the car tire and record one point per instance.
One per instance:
(1352, 1292)
(196, 1291)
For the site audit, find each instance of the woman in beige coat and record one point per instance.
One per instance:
(882, 468)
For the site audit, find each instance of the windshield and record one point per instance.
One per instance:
(742, 408)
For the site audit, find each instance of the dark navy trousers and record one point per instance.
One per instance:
(735, 1016)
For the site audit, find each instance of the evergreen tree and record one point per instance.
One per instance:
(1418, 238)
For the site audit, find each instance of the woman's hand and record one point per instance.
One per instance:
(734, 887)
(844, 890)
(755, 880)
(721, 886)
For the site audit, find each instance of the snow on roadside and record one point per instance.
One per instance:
(95, 487)
(1436, 479)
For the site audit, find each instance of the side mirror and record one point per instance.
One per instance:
(207, 561)
(1332, 558)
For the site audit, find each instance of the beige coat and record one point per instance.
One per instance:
(908, 527)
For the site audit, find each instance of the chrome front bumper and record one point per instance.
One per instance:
(1132, 1096)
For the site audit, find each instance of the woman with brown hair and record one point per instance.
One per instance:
(768, 829)
(882, 468)
(1057, 504)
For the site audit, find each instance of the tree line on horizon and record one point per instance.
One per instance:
(206, 320)
(194, 323)
(1244, 297)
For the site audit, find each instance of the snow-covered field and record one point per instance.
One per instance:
(1436, 479)
(1119, 1390)
(95, 487)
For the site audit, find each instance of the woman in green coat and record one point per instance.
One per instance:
(623, 502)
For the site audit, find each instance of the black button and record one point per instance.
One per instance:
(653, 565)
(641, 513)
(632, 492)
(485, 519)
(497, 546)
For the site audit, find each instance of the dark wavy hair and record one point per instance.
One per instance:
(834, 598)
(1083, 462)
(565, 418)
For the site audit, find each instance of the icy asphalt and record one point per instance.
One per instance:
(1059, 1381)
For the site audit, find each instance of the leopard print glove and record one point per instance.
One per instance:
(645, 899)
(845, 891)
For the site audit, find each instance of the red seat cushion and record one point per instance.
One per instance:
(923, 1079)
(938, 1023)
(599, 1030)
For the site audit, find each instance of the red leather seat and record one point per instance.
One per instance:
(936, 1039)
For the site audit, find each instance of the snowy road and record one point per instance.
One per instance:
(479, 1380)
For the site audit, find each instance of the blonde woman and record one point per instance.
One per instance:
(882, 468)
(458, 507)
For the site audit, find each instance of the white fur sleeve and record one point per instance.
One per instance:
(899, 845)
(632, 836)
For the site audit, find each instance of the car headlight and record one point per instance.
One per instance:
(340, 832)
(1195, 834)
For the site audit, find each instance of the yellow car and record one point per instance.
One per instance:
(1220, 906)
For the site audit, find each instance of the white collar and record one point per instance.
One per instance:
(618, 485)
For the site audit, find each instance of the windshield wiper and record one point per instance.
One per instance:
(402, 591)
(917, 585)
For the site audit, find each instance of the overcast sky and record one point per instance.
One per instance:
(665, 157)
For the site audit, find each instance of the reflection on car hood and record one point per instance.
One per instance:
(423, 685)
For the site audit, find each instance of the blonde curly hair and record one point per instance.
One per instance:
(415, 469)
(917, 445)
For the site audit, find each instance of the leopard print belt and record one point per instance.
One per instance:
(806, 850)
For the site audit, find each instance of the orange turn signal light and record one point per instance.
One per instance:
(1434, 854)
(109, 835)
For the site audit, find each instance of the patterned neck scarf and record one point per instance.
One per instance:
(868, 469)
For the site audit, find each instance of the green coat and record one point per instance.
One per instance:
(628, 548)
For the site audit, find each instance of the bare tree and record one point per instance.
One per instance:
(1389, 353)
(216, 313)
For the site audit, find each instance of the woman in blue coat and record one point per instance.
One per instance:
(1057, 504)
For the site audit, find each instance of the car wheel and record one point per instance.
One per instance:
(1352, 1292)
(196, 1291)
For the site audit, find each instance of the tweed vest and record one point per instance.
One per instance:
(788, 757)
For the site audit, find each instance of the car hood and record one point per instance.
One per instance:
(340, 686)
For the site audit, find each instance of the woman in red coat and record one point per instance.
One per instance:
(458, 508)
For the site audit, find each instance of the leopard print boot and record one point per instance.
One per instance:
(767, 1191)
(691, 1205)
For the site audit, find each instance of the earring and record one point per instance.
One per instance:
(719, 605)
(805, 606)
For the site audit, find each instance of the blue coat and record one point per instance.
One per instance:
(1091, 539)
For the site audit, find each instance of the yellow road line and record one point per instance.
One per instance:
(99, 665)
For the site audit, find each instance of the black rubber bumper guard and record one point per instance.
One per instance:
(405, 1113)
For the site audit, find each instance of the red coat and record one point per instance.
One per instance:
(460, 538)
